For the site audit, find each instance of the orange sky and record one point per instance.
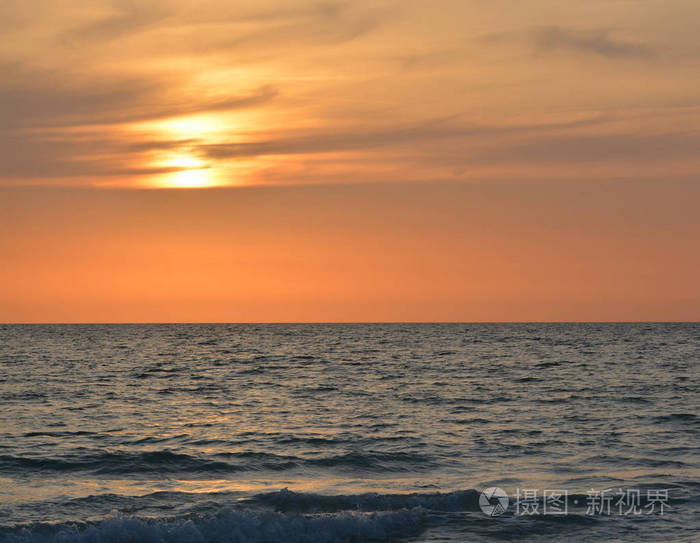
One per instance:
(359, 161)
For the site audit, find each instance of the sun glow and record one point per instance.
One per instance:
(189, 179)
(178, 159)
(186, 162)
(184, 169)
(188, 172)
(190, 127)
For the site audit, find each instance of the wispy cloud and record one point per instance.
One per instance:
(363, 138)
(626, 147)
(126, 17)
(212, 27)
(94, 155)
(31, 98)
(551, 40)
(332, 86)
(596, 41)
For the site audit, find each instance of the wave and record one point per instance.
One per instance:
(288, 501)
(285, 516)
(115, 463)
(445, 502)
(166, 461)
(677, 417)
(228, 527)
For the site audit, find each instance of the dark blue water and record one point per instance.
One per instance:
(366, 432)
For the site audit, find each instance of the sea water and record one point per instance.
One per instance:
(349, 432)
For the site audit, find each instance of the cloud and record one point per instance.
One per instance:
(597, 41)
(549, 40)
(310, 92)
(32, 156)
(127, 17)
(214, 27)
(39, 109)
(41, 97)
(358, 138)
(179, 108)
(595, 148)
(30, 98)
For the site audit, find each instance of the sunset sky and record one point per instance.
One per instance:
(449, 160)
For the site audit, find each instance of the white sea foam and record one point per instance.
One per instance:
(230, 527)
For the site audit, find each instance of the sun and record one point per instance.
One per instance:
(195, 126)
(189, 179)
(178, 164)
(190, 172)
(185, 161)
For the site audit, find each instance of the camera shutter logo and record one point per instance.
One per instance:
(493, 501)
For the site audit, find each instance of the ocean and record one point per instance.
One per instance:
(349, 432)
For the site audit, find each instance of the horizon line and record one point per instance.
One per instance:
(134, 323)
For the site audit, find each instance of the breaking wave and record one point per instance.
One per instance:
(228, 527)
